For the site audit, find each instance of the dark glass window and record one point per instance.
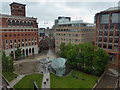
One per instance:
(21, 23)
(14, 35)
(10, 35)
(31, 23)
(25, 24)
(110, 40)
(17, 23)
(13, 22)
(28, 23)
(9, 22)
(15, 41)
(5, 35)
(18, 34)
(25, 34)
(22, 34)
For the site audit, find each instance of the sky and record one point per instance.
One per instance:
(47, 11)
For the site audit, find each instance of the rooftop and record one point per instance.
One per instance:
(17, 3)
(113, 8)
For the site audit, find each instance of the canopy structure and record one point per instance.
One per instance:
(58, 65)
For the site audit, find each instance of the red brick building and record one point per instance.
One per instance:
(19, 30)
(108, 33)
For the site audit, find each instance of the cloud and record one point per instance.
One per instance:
(46, 11)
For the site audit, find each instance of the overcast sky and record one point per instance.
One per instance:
(47, 12)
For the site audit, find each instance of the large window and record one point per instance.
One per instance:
(21, 23)
(17, 23)
(104, 19)
(13, 22)
(115, 18)
(9, 23)
(25, 24)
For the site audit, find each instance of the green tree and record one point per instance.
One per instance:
(10, 59)
(7, 62)
(100, 61)
(18, 52)
(71, 58)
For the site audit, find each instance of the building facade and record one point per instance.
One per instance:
(108, 33)
(73, 31)
(19, 30)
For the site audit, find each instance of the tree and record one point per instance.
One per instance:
(101, 61)
(7, 63)
(18, 52)
(71, 58)
(11, 68)
(62, 50)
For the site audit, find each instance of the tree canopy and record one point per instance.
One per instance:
(85, 57)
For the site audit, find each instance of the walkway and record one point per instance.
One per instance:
(109, 79)
(12, 83)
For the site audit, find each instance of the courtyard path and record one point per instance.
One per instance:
(13, 82)
(47, 85)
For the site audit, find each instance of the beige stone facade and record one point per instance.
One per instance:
(75, 35)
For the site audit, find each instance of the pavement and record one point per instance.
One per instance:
(13, 82)
(109, 79)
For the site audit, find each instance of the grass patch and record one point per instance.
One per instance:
(70, 82)
(27, 81)
(9, 75)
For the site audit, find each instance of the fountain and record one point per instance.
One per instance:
(56, 65)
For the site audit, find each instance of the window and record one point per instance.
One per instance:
(17, 23)
(10, 41)
(22, 34)
(18, 40)
(21, 23)
(28, 34)
(32, 34)
(21, 29)
(35, 34)
(22, 40)
(18, 30)
(26, 40)
(10, 35)
(13, 22)
(25, 24)
(28, 23)
(15, 41)
(9, 23)
(6, 41)
(31, 23)
(18, 34)
(35, 41)
(25, 34)
(5, 35)
(14, 35)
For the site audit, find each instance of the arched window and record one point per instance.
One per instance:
(9, 22)
(17, 23)
(28, 23)
(25, 24)
(13, 22)
(31, 23)
(21, 23)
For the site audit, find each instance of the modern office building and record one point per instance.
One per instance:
(73, 31)
(108, 32)
(19, 30)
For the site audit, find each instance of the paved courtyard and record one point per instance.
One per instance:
(109, 79)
